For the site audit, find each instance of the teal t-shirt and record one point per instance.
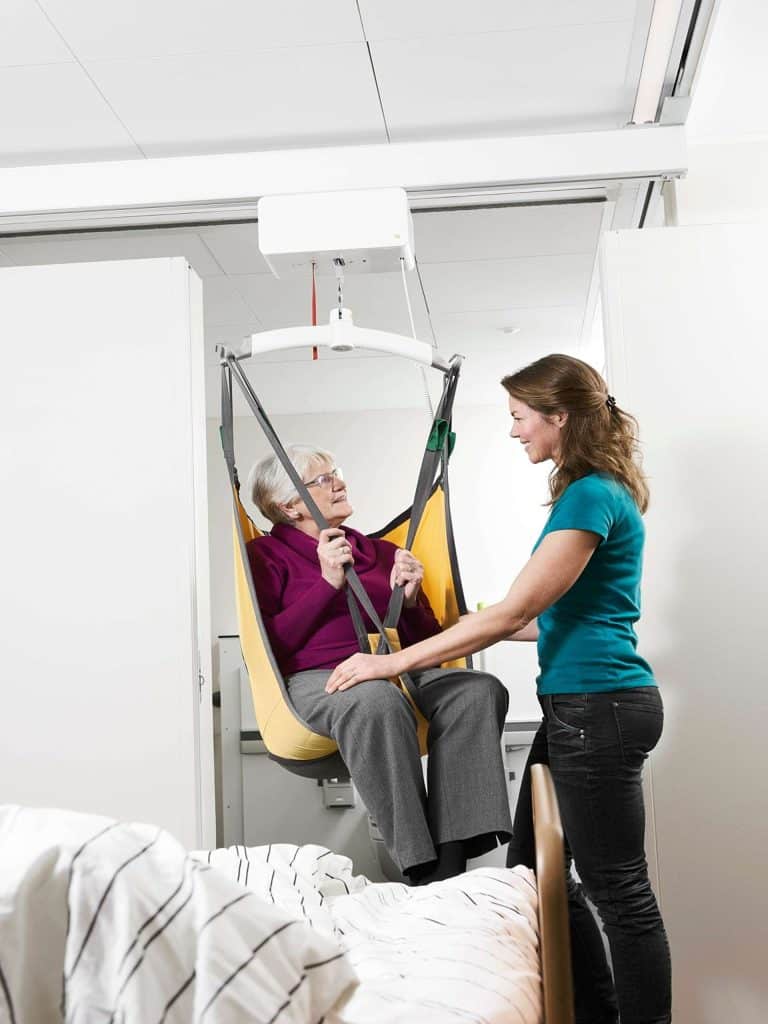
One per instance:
(587, 640)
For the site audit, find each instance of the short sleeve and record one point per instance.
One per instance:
(586, 504)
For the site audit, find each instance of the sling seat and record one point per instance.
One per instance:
(288, 739)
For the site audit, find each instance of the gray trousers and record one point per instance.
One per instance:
(375, 729)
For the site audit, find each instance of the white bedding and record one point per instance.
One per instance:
(101, 921)
(465, 949)
(117, 922)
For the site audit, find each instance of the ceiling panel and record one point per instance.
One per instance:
(501, 233)
(57, 115)
(146, 28)
(504, 330)
(198, 76)
(114, 245)
(27, 37)
(398, 19)
(536, 80)
(542, 281)
(282, 98)
(236, 248)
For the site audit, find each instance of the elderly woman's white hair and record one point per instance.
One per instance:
(269, 485)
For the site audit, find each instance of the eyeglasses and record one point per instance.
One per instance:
(325, 479)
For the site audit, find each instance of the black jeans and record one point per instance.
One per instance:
(595, 745)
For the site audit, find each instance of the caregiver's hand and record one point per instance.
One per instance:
(360, 668)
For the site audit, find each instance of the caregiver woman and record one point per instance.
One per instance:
(579, 597)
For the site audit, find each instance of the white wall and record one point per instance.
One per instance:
(686, 329)
(497, 501)
(725, 184)
(103, 589)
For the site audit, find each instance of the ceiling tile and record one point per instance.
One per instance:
(114, 245)
(146, 28)
(491, 331)
(541, 281)
(57, 115)
(402, 19)
(501, 233)
(27, 37)
(236, 248)
(5, 261)
(320, 95)
(497, 83)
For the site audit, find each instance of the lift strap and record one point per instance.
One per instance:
(353, 580)
(435, 457)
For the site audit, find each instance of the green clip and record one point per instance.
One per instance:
(438, 436)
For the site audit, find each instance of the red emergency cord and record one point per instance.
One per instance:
(315, 353)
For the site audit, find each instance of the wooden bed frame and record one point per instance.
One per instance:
(554, 933)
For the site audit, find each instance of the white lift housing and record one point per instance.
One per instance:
(371, 230)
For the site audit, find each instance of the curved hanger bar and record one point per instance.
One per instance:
(342, 335)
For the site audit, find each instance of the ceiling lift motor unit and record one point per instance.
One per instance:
(362, 231)
(371, 230)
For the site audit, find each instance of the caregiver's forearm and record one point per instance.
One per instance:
(471, 634)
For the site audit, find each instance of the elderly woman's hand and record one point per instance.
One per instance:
(333, 553)
(409, 573)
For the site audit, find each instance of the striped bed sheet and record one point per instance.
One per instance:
(464, 950)
(104, 921)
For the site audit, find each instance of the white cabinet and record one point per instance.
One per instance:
(686, 329)
(104, 606)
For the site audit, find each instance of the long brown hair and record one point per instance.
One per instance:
(597, 435)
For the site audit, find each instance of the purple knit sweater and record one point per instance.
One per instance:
(307, 620)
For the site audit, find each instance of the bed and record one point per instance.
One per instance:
(105, 921)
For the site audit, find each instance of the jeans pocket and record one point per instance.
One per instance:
(567, 715)
(639, 726)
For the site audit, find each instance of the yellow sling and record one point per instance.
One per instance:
(288, 740)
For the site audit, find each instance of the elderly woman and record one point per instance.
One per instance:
(298, 571)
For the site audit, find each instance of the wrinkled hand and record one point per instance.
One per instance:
(359, 669)
(333, 553)
(409, 573)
